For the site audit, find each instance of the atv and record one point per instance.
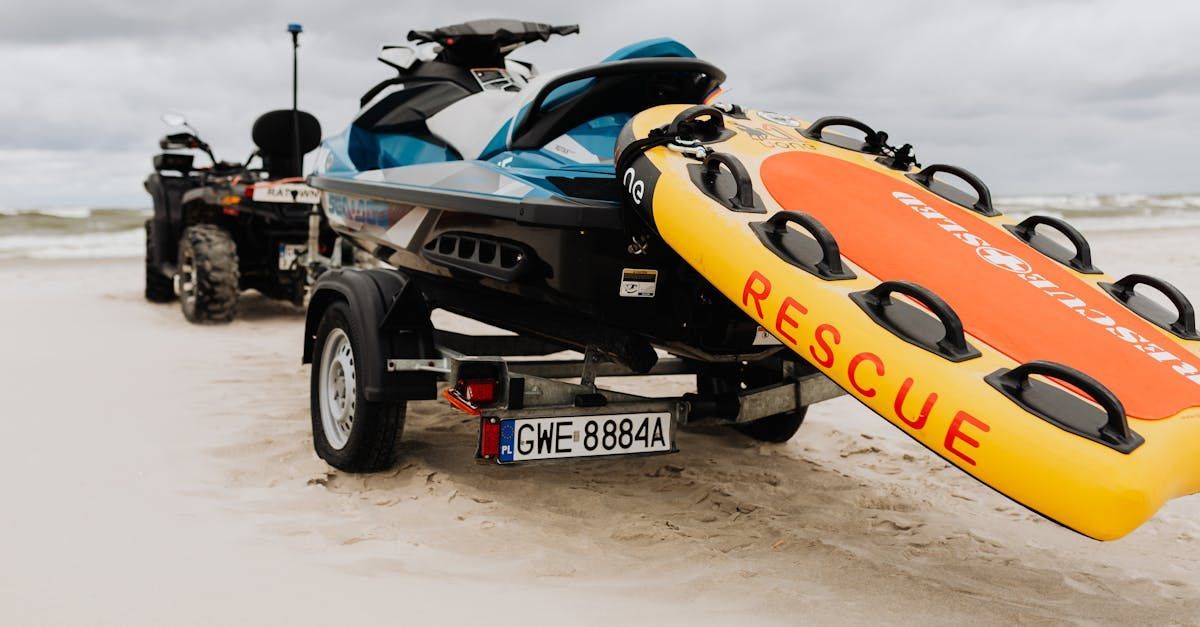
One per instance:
(226, 227)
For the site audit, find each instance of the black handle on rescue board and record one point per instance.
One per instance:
(816, 131)
(1080, 261)
(913, 325)
(743, 198)
(1184, 324)
(699, 123)
(818, 255)
(1064, 409)
(983, 201)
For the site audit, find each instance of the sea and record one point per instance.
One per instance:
(98, 233)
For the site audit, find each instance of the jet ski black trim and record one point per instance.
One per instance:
(818, 255)
(982, 204)
(709, 178)
(494, 258)
(1184, 324)
(557, 212)
(943, 337)
(1065, 410)
(1080, 260)
(523, 135)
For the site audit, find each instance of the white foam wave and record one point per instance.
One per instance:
(120, 244)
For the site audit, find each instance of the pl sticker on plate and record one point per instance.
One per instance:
(638, 283)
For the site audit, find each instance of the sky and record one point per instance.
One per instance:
(1050, 96)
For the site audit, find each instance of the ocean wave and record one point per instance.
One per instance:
(87, 232)
(111, 245)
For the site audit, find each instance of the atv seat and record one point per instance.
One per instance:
(274, 134)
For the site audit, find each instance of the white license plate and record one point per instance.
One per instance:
(297, 193)
(289, 254)
(584, 436)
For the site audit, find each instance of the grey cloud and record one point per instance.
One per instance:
(1034, 96)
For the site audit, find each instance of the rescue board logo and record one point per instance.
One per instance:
(779, 118)
(635, 187)
(1004, 260)
(1012, 263)
(638, 283)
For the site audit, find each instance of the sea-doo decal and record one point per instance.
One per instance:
(1008, 261)
(566, 147)
(372, 212)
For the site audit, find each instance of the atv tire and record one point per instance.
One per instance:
(775, 429)
(349, 432)
(159, 288)
(208, 274)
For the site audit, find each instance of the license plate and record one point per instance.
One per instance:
(584, 436)
(289, 254)
(297, 193)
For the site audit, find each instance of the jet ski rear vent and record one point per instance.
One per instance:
(493, 258)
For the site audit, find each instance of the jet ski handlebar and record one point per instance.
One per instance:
(529, 115)
(502, 32)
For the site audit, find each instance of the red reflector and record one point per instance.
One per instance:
(489, 437)
(230, 211)
(249, 192)
(478, 390)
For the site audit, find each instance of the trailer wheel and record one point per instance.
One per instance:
(775, 429)
(159, 288)
(350, 432)
(208, 274)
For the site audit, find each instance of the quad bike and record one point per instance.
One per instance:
(225, 227)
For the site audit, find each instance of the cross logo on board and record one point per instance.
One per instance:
(1003, 259)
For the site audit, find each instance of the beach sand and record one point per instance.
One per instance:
(157, 472)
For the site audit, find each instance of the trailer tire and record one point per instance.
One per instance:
(350, 432)
(208, 274)
(159, 287)
(775, 429)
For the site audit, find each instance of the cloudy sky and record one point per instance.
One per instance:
(1034, 96)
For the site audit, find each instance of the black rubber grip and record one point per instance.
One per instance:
(1061, 408)
(952, 345)
(1184, 324)
(830, 265)
(983, 201)
(816, 129)
(699, 122)
(743, 198)
(1080, 261)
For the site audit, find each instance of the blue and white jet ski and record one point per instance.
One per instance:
(493, 188)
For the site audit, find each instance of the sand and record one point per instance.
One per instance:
(158, 472)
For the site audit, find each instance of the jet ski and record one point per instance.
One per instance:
(617, 208)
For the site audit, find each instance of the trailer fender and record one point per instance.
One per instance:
(394, 318)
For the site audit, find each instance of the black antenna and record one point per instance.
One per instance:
(295, 29)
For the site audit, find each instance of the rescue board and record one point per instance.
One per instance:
(997, 344)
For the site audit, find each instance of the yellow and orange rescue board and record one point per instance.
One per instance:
(996, 344)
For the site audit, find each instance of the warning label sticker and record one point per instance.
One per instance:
(638, 283)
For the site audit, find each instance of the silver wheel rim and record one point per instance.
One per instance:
(337, 390)
(185, 280)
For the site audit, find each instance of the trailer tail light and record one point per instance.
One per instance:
(489, 438)
(478, 391)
